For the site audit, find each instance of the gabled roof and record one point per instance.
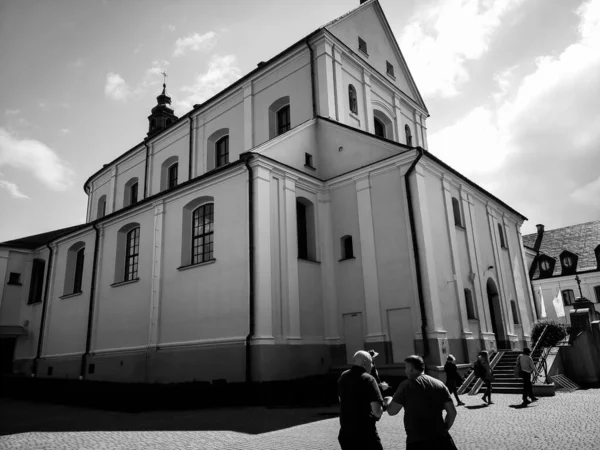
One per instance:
(580, 239)
(38, 240)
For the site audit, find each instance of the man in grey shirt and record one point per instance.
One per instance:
(423, 399)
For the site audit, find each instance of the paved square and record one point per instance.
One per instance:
(566, 421)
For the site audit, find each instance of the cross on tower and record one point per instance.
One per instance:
(164, 74)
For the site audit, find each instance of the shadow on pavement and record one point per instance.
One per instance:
(18, 416)
(477, 406)
(518, 406)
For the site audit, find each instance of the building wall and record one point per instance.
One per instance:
(12, 295)
(174, 144)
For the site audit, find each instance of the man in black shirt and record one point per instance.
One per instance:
(360, 406)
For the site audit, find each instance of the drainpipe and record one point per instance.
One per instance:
(415, 243)
(146, 169)
(38, 354)
(191, 147)
(251, 311)
(88, 339)
(312, 79)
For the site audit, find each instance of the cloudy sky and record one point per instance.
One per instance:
(512, 86)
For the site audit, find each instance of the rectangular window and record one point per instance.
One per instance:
(78, 271)
(457, 212)
(37, 281)
(308, 160)
(223, 151)
(302, 230)
(103, 211)
(389, 68)
(14, 278)
(173, 174)
(133, 194)
(203, 234)
(568, 297)
(597, 292)
(283, 120)
(501, 234)
(362, 46)
(132, 254)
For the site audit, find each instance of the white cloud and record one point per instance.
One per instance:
(116, 88)
(12, 188)
(222, 71)
(171, 27)
(12, 112)
(195, 42)
(441, 38)
(36, 157)
(65, 131)
(588, 194)
(79, 62)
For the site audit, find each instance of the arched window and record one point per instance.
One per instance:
(457, 213)
(408, 135)
(197, 242)
(279, 117)
(169, 173)
(222, 151)
(202, 233)
(568, 297)
(305, 223)
(470, 306)
(215, 138)
(347, 248)
(74, 269)
(37, 281)
(101, 211)
(379, 128)
(352, 99)
(515, 312)
(131, 192)
(501, 234)
(128, 253)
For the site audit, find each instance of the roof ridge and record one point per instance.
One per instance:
(347, 13)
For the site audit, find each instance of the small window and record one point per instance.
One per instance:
(352, 99)
(14, 278)
(283, 120)
(362, 46)
(568, 297)
(203, 233)
(308, 160)
(379, 128)
(37, 281)
(347, 248)
(457, 213)
(597, 292)
(515, 313)
(389, 69)
(173, 175)
(305, 225)
(470, 306)
(501, 234)
(132, 254)
(222, 149)
(77, 282)
(133, 194)
(545, 265)
(408, 135)
(101, 212)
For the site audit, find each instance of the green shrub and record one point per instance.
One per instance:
(556, 332)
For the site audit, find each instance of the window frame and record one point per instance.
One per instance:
(78, 275)
(388, 66)
(347, 247)
(567, 298)
(173, 179)
(14, 279)
(377, 121)
(408, 135)
(132, 258)
(133, 193)
(457, 212)
(36, 283)
(362, 46)
(202, 236)
(503, 243)
(222, 151)
(597, 293)
(285, 127)
(515, 312)
(470, 305)
(352, 99)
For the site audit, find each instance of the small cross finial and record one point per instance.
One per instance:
(164, 74)
(579, 285)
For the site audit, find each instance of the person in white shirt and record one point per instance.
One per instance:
(527, 368)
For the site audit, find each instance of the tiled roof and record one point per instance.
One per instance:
(37, 240)
(581, 239)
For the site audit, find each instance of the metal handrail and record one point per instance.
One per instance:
(479, 382)
(542, 365)
(539, 340)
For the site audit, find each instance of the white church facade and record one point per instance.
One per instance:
(269, 233)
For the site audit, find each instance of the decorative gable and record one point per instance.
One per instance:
(366, 31)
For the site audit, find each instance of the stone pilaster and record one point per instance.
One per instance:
(369, 124)
(325, 78)
(248, 116)
(341, 95)
(155, 290)
(398, 122)
(111, 207)
(291, 232)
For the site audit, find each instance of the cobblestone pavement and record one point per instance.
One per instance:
(566, 421)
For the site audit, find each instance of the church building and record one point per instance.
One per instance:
(269, 233)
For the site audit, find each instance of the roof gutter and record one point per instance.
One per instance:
(146, 168)
(415, 243)
(191, 149)
(38, 354)
(251, 309)
(88, 339)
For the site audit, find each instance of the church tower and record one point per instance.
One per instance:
(162, 114)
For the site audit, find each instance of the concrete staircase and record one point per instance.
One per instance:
(506, 382)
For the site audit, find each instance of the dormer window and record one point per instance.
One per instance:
(546, 266)
(568, 261)
(362, 46)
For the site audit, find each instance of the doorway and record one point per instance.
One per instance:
(496, 315)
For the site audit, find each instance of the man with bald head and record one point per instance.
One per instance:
(360, 405)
